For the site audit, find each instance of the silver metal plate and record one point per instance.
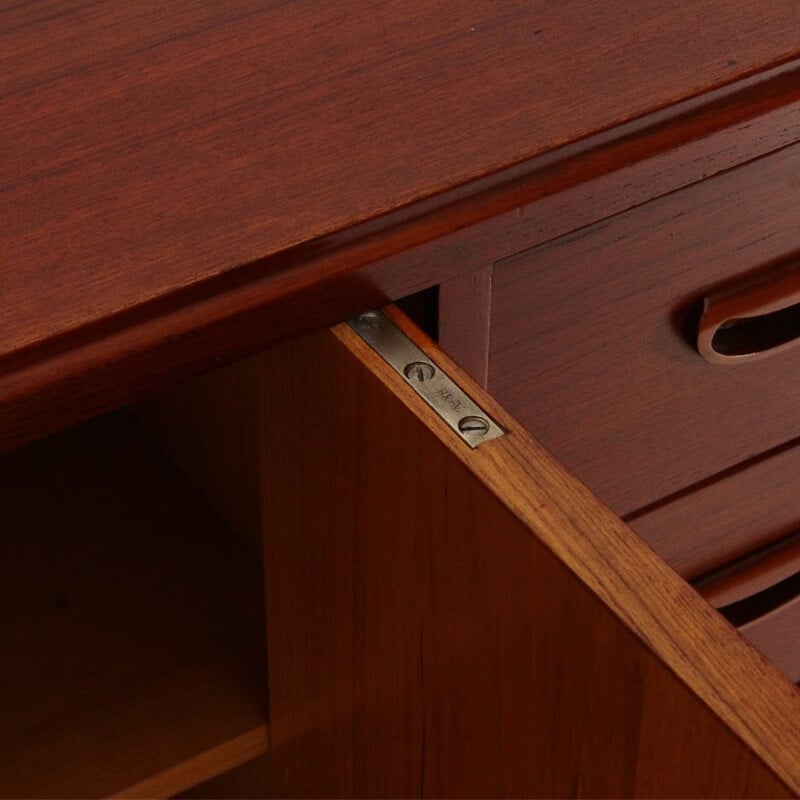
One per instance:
(462, 414)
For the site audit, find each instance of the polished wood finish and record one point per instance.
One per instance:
(588, 346)
(162, 248)
(453, 622)
(775, 634)
(749, 576)
(724, 519)
(168, 144)
(132, 660)
(754, 318)
(465, 321)
(182, 186)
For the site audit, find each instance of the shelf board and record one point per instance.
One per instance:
(132, 623)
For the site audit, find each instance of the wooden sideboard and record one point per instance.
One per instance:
(241, 556)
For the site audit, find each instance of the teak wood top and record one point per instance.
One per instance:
(153, 160)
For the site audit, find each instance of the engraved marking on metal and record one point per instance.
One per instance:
(461, 413)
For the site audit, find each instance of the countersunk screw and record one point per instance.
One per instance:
(419, 371)
(474, 426)
(368, 321)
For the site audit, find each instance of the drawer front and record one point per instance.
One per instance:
(587, 345)
(760, 595)
(776, 635)
(723, 521)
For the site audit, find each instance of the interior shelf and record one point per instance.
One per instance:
(132, 623)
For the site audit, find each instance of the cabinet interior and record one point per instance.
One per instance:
(133, 553)
(133, 602)
(133, 615)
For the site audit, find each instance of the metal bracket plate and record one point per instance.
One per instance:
(462, 414)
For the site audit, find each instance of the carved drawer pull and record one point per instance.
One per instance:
(751, 319)
(761, 597)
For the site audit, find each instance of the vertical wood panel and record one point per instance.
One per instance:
(209, 427)
(344, 630)
(446, 622)
(464, 319)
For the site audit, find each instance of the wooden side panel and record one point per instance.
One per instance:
(465, 314)
(132, 632)
(537, 690)
(347, 576)
(447, 622)
(209, 427)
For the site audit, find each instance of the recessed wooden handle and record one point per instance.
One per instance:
(775, 627)
(768, 614)
(752, 575)
(760, 595)
(751, 319)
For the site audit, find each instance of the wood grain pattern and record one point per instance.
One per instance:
(152, 182)
(722, 520)
(99, 367)
(450, 622)
(465, 307)
(133, 656)
(758, 571)
(775, 634)
(173, 146)
(756, 318)
(600, 370)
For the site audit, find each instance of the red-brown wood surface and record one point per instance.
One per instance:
(449, 622)
(165, 170)
(146, 149)
(753, 319)
(775, 634)
(762, 570)
(588, 348)
(721, 521)
(465, 306)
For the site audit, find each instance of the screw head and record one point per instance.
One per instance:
(419, 371)
(473, 426)
(368, 321)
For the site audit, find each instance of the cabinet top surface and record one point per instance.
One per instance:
(148, 148)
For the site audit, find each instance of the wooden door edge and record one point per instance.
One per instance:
(753, 698)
